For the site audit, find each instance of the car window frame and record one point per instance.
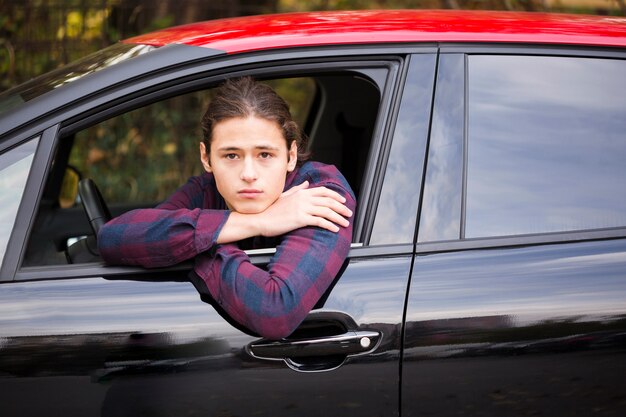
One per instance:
(416, 89)
(115, 102)
(30, 199)
(14, 162)
(462, 243)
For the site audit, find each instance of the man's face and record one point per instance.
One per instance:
(250, 161)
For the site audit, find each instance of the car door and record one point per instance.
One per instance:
(516, 304)
(89, 339)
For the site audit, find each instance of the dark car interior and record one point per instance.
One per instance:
(339, 120)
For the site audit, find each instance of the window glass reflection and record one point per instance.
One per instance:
(14, 167)
(107, 57)
(397, 207)
(547, 145)
(441, 208)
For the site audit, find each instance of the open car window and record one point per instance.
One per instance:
(140, 157)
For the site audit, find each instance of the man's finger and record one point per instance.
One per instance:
(333, 205)
(330, 215)
(327, 192)
(295, 189)
(325, 224)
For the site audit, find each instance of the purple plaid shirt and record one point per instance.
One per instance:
(271, 302)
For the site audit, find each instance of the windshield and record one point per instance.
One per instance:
(107, 57)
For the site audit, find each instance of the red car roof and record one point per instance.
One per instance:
(244, 34)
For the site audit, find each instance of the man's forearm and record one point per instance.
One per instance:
(156, 237)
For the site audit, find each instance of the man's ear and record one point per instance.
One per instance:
(204, 157)
(293, 156)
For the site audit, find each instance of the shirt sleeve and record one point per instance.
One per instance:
(174, 231)
(272, 302)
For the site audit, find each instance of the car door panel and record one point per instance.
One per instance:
(84, 339)
(127, 347)
(526, 321)
(517, 331)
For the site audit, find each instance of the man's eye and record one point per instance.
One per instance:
(265, 155)
(230, 156)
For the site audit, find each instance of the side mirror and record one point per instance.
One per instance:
(69, 188)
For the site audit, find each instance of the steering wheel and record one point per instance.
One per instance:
(95, 207)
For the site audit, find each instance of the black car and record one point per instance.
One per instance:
(487, 275)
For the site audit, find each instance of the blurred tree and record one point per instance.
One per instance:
(131, 17)
(37, 36)
(296, 5)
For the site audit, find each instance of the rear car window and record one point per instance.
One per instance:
(546, 145)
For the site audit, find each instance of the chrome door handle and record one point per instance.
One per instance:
(322, 342)
(349, 344)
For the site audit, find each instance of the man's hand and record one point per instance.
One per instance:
(302, 206)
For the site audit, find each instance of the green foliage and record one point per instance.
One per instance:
(143, 155)
(299, 93)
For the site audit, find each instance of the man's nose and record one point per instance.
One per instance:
(248, 173)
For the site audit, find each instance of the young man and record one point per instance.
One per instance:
(257, 191)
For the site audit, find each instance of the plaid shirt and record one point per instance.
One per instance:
(270, 301)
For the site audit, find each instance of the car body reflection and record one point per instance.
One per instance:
(514, 331)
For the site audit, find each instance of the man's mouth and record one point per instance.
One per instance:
(249, 193)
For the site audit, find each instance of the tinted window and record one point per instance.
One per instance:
(441, 207)
(546, 145)
(397, 207)
(14, 167)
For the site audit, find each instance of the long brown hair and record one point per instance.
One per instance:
(244, 97)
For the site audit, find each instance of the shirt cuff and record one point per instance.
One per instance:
(208, 228)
